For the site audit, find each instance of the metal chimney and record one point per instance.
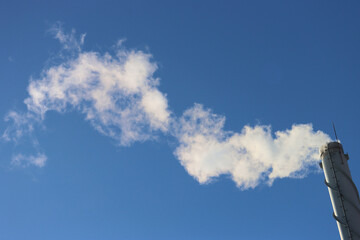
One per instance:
(343, 193)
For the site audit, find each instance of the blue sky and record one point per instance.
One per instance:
(256, 63)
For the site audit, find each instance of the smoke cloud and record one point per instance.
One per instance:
(118, 94)
(249, 157)
(38, 160)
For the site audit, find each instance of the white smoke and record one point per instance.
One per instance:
(69, 41)
(119, 95)
(21, 124)
(22, 160)
(206, 150)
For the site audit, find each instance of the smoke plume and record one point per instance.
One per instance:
(118, 94)
(249, 157)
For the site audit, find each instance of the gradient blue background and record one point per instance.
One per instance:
(267, 62)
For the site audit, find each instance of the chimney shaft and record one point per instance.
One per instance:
(343, 193)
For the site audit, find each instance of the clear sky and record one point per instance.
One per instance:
(123, 153)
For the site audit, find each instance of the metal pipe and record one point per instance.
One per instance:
(343, 193)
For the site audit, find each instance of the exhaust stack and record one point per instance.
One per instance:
(343, 192)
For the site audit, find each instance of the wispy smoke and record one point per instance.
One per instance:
(25, 160)
(68, 41)
(118, 94)
(20, 124)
